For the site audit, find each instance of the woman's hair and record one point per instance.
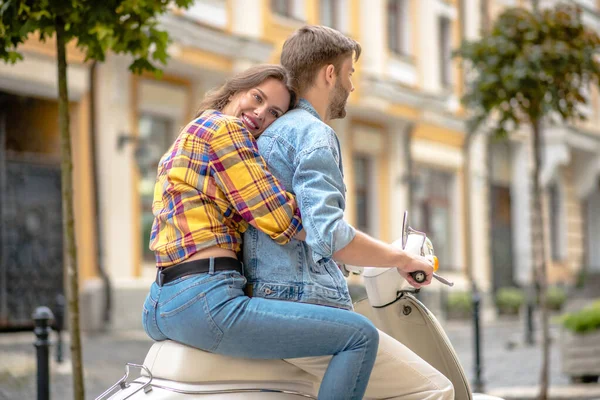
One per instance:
(218, 98)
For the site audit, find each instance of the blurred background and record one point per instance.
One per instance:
(404, 140)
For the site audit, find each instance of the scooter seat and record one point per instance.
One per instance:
(174, 361)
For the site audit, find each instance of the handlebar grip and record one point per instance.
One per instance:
(418, 276)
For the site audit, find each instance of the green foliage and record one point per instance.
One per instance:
(123, 26)
(509, 300)
(530, 66)
(584, 320)
(459, 304)
(555, 298)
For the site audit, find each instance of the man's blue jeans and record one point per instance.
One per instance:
(212, 313)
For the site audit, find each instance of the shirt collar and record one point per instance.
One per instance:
(306, 106)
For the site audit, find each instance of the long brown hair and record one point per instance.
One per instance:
(218, 98)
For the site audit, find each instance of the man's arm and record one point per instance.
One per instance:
(365, 251)
(319, 187)
(318, 184)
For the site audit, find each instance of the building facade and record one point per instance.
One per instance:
(404, 142)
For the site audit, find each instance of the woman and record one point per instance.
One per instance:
(211, 184)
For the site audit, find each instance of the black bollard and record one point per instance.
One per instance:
(59, 324)
(42, 317)
(478, 385)
(529, 315)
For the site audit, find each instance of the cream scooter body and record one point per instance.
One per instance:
(172, 371)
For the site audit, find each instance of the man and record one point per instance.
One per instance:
(304, 153)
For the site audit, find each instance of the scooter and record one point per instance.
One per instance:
(174, 371)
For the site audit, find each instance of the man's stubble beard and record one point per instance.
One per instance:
(337, 105)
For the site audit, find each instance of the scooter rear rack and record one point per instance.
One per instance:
(147, 386)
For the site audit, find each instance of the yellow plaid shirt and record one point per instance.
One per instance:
(211, 184)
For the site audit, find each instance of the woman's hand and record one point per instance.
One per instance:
(415, 263)
(300, 235)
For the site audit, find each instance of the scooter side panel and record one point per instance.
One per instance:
(408, 321)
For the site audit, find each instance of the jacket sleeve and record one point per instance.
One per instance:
(319, 184)
(242, 174)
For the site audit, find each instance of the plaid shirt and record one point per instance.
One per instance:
(211, 184)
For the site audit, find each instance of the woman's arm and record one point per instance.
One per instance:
(242, 174)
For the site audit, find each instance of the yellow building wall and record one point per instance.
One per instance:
(84, 190)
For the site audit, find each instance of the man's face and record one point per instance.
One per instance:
(342, 89)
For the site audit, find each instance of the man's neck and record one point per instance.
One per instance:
(319, 100)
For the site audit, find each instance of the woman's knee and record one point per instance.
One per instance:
(369, 334)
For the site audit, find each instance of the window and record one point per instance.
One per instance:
(445, 43)
(362, 178)
(210, 12)
(398, 26)
(554, 208)
(155, 137)
(282, 7)
(334, 14)
(289, 8)
(432, 210)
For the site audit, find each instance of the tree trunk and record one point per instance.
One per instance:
(68, 217)
(540, 257)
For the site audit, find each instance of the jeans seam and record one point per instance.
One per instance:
(155, 321)
(212, 323)
(362, 361)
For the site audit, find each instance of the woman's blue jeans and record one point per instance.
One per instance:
(212, 313)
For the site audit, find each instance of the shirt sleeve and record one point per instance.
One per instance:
(242, 174)
(319, 185)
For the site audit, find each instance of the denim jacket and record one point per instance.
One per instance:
(304, 153)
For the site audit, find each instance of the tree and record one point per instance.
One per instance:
(123, 26)
(532, 69)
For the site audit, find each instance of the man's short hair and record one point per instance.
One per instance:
(312, 47)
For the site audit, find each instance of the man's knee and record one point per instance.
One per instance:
(446, 389)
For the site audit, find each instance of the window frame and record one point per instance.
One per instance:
(286, 9)
(398, 27)
(445, 50)
(363, 189)
(169, 123)
(555, 222)
(429, 201)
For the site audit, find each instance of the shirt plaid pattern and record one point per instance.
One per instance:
(211, 184)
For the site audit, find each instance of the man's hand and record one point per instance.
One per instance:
(415, 263)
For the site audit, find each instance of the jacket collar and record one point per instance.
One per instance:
(305, 105)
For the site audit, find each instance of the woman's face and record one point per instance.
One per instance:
(260, 106)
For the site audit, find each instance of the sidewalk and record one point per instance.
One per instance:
(510, 369)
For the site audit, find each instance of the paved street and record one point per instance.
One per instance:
(507, 363)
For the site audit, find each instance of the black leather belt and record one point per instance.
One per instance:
(169, 274)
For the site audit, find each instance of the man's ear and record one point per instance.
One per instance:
(330, 74)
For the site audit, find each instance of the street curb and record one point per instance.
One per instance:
(571, 392)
